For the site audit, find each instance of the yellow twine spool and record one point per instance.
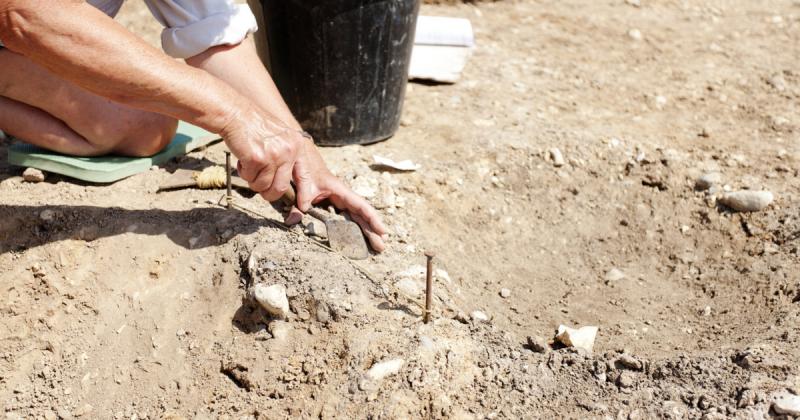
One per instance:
(210, 178)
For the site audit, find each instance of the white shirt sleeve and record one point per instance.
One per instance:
(193, 26)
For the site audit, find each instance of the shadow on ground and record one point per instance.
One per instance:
(25, 227)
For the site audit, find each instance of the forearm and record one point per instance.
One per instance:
(80, 44)
(240, 67)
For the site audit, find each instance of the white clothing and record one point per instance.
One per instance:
(193, 26)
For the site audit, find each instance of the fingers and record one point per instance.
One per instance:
(375, 240)
(261, 181)
(363, 214)
(281, 182)
(269, 170)
(294, 217)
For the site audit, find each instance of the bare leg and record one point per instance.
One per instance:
(58, 115)
(42, 129)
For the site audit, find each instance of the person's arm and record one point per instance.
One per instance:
(240, 67)
(82, 45)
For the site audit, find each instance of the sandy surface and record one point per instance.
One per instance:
(121, 302)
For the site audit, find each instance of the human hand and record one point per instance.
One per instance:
(267, 151)
(316, 183)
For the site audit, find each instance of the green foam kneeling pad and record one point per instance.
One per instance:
(105, 169)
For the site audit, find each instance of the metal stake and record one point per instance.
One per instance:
(428, 287)
(228, 195)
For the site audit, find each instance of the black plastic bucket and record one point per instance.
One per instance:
(341, 65)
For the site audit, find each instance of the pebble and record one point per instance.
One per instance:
(505, 293)
(786, 403)
(626, 380)
(279, 330)
(634, 3)
(635, 34)
(614, 274)
(708, 180)
(747, 201)
(273, 299)
(33, 175)
(47, 215)
(558, 158)
(582, 338)
(378, 371)
(629, 362)
(538, 344)
(479, 316)
(83, 411)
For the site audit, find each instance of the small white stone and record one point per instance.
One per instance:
(505, 293)
(47, 215)
(635, 34)
(479, 316)
(747, 201)
(786, 403)
(660, 101)
(582, 338)
(280, 330)
(614, 274)
(33, 175)
(378, 371)
(557, 157)
(708, 180)
(273, 299)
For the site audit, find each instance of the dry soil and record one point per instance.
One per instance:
(120, 302)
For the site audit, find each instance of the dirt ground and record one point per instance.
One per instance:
(120, 302)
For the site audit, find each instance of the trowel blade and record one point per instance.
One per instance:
(345, 237)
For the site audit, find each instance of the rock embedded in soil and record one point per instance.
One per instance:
(280, 330)
(557, 157)
(505, 293)
(538, 344)
(33, 175)
(614, 275)
(786, 403)
(581, 338)
(747, 201)
(479, 316)
(629, 362)
(273, 299)
(381, 370)
(708, 180)
(626, 380)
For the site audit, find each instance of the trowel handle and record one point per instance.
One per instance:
(290, 198)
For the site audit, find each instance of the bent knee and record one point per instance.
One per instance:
(147, 137)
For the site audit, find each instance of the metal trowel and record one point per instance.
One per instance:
(344, 236)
